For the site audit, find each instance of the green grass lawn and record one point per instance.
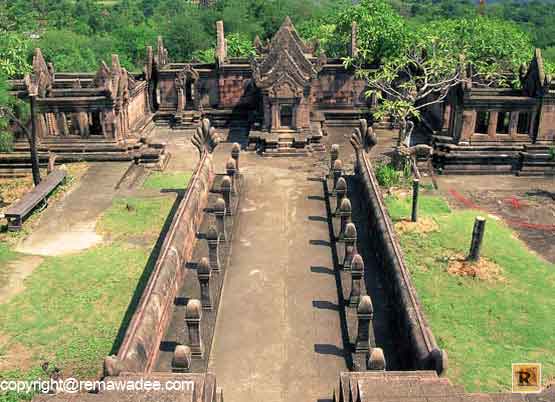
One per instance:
(484, 325)
(167, 180)
(72, 308)
(6, 255)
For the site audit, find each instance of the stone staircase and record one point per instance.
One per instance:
(476, 159)
(537, 160)
(68, 150)
(417, 386)
(187, 119)
(285, 143)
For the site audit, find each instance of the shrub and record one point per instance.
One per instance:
(387, 176)
(6, 141)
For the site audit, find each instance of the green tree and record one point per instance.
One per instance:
(14, 48)
(420, 76)
(382, 32)
(495, 48)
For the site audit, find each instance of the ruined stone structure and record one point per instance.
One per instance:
(286, 97)
(283, 95)
(101, 116)
(503, 130)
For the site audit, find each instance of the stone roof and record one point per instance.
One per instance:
(286, 65)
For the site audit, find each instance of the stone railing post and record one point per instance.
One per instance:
(220, 212)
(477, 238)
(365, 314)
(204, 274)
(345, 216)
(357, 272)
(337, 173)
(231, 171)
(235, 153)
(415, 189)
(213, 241)
(376, 360)
(350, 241)
(193, 317)
(227, 188)
(181, 362)
(334, 154)
(340, 192)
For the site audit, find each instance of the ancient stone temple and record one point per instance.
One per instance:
(284, 77)
(493, 129)
(100, 116)
(283, 95)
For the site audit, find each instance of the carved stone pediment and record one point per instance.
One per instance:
(285, 89)
(286, 60)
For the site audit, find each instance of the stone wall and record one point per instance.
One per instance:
(236, 88)
(420, 348)
(140, 347)
(337, 87)
(138, 108)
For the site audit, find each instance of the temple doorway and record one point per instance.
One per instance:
(286, 116)
(189, 95)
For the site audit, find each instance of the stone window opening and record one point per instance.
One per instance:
(503, 121)
(482, 122)
(523, 126)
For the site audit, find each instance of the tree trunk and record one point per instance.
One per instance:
(33, 144)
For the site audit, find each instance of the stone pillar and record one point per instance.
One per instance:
(213, 248)
(227, 188)
(337, 173)
(492, 125)
(204, 274)
(181, 362)
(345, 212)
(231, 171)
(468, 125)
(180, 96)
(235, 153)
(376, 360)
(365, 314)
(221, 45)
(334, 155)
(415, 190)
(275, 116)
(193, 317)
(220, 212)
(63, 129)
(546, 126)
(477, 238)
(513, 124)
(446, 117)
(350, 240)
(357, 272)
(42, 127)
(340, 192)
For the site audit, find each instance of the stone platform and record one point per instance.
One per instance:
(418, 386)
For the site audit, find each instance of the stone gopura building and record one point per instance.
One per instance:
(285, 94)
